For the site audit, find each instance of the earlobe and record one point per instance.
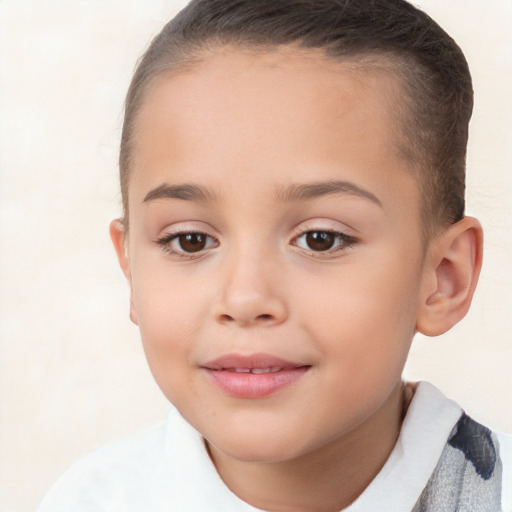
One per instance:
(118, 236)
(450, 277)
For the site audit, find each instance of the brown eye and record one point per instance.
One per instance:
(189, 245)
(320, 240)
(324, 241)
(192, 242)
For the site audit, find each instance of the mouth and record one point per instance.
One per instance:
(254, 376)
(272, 369)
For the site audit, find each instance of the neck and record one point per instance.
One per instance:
(328, 479)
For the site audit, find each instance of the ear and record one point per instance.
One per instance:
(451, 273)
(118, 236)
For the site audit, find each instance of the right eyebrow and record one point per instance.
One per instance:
(185, 191)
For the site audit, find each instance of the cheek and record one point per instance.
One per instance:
(165, 297)
(169, 318)
(363, 332)
(364, 315)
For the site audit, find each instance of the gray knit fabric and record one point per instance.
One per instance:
(468, 476)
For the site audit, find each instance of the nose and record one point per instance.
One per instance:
(249, 293)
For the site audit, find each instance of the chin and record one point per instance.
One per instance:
(258, 454)
(262, 447)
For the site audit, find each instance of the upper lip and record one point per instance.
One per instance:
(252, 361)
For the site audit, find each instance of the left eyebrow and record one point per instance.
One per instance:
(185, 191)
(307, 191)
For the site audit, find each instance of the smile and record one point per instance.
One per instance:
(255, 376)
(255, 370)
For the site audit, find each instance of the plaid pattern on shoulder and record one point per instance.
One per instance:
(468, 476)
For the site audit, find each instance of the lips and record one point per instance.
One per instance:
(272, 369)
(254, 376)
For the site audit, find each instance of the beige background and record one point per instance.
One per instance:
(72, 371)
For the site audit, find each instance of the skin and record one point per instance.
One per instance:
(247, 128)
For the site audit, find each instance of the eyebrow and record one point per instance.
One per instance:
(291, 193)
(186, 191)
(304, 192)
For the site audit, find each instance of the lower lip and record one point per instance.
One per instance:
(254, 385)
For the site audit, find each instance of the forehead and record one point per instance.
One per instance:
(278, 86)
(283, 114)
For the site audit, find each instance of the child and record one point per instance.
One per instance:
(292, 175)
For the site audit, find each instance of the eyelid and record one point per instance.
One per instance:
(185, 227)
(165, 240)
(327, 225)
(349, 240)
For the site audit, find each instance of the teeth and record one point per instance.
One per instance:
(273, 369)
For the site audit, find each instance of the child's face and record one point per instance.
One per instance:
(304, 249)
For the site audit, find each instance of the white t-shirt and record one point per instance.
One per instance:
(167, 468)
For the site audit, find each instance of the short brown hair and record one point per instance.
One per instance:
(438, 98)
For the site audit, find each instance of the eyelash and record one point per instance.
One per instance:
(343, 240)
(165, 242)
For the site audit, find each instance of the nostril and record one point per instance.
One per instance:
(266, 316)
(226, 318)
